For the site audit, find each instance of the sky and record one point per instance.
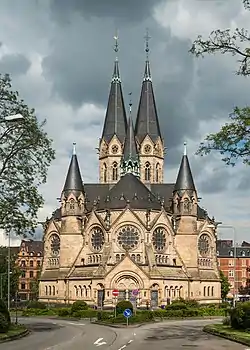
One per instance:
(60, 56)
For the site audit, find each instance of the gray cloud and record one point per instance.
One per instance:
(14, 64)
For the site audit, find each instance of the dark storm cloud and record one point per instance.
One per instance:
(129, 10)
(215, 182)
(14, 64)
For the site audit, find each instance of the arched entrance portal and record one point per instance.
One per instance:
(154, 295)
(100, 294)
(126, 283)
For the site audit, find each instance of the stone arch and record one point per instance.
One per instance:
(105, 172)
(147, 171)
(157, 172)
(127, 278)
(115, 171)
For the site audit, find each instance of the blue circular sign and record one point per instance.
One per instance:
(127, 313)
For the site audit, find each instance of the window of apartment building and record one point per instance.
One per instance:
(31, 274)
(23, 263)
(38, 263)
(23, 274)
(31, 263)
(22, 285)
(231, 273)
(230, 263)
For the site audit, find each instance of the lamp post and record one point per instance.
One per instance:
(10, 119)
(234, 254)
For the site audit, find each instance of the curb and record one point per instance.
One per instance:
(16, 336)
(225, 336)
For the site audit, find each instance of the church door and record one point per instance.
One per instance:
(154, 298)
(100, 297)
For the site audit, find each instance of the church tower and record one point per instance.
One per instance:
(72, 213)
(185, 201)
(147, 131)
(114, 130)
(130, 161)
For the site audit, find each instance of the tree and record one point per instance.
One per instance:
(34, 287)
(225, 286)
(15, 273)
(233, 140)
(25, 155)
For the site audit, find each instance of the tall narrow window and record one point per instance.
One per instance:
(147, 171)
(104, 172)
(157, 172)
(114, 171)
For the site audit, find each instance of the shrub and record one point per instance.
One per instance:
(64, 312)
(79, 305)
(240, 316)
(36, 305)
(123, 305)
(85, 313)
(226, 321)
(4, 324)
(177, 306)
(4, 311)
(102, 315)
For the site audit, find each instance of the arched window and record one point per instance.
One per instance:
(54, 290)
(49, 290)
(117, 257)
(157, 172)
(105, 172)
(147, 171)
(138, 258)
(72, 204)
(212, 291)
(115, 171)
(208, 291)
(204, 291)
(46, 290)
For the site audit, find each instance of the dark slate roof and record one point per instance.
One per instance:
(130, 147)
(33, 246)
(225, 249)
(73, 181)
(185, 178)
(147, 122)
(115, 120)
(129, 190)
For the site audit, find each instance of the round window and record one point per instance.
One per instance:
(159, 239)
(97, 239)
(147, 149)
(115, 149)
(128, 237)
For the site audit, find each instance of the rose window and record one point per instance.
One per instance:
(128, 237)
(159, 239)
(55, 244)
(147, 149)
(97, 239)
(115, 149)
(204, 245)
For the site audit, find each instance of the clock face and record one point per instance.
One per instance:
(147, 149)
(115, 149)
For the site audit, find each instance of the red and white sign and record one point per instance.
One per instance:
(115, 292)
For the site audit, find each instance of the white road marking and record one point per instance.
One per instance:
(130, 341)
(97, 342)
(123, 347)
(77, 324)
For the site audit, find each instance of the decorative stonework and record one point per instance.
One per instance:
(54, 244)
(97, 239)
(159, 239)
(204, 245)
(128, 237)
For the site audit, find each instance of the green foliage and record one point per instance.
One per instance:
(34, 287)
(79, 305)
(38, 312)
(64, 312)
(123, 305)
(240, 316)
(36, 305)
(4, 324)
(225, 286)
(4, 311)
(15, 273)
(233, 140)
(25, 155)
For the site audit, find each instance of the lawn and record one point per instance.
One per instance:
(227, 332)
(14, 331)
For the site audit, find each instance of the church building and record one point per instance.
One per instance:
(131, 231)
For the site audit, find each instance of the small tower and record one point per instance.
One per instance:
(147, 130)
(114, 130)
(72, 212)
(185, 195)
(130, 160)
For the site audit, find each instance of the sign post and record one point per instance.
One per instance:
(135, 294)
(127, 313)
(115, 294)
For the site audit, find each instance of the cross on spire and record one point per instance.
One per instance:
(116, 46)
(147, 37)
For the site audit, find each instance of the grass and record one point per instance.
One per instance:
(14, 331)
(242, 337)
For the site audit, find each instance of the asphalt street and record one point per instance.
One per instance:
(51, 334)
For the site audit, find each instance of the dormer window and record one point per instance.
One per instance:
(243, 253)
(231, 253)
(218, 253)
(71, 205)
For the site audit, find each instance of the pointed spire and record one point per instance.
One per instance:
(115, 120)
(185, 178)
(130, 160)
(73, 183)
(147, 122)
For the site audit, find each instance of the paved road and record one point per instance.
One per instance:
(48, 334)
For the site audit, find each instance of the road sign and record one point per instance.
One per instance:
(127, 313)
(133, 299)
(135, 292)
(115, 292)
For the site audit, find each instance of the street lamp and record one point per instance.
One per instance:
(234, 253)
(9, 119)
